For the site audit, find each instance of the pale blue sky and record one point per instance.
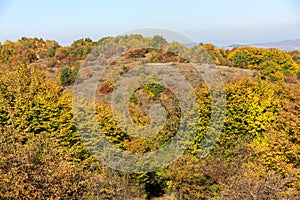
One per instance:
(217, 21)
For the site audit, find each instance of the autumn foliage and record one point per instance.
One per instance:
(257, 155)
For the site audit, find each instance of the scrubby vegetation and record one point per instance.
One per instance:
(257, 155)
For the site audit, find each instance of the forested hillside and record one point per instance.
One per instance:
(42, 156)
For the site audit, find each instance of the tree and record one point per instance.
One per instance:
(158, 42)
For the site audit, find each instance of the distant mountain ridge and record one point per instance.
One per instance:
(286, 45)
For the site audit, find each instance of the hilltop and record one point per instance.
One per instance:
(71, 129)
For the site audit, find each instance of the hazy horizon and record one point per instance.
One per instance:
(218, 22)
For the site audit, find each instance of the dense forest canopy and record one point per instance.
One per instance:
(257, 155)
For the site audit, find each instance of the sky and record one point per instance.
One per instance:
(221, 22)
